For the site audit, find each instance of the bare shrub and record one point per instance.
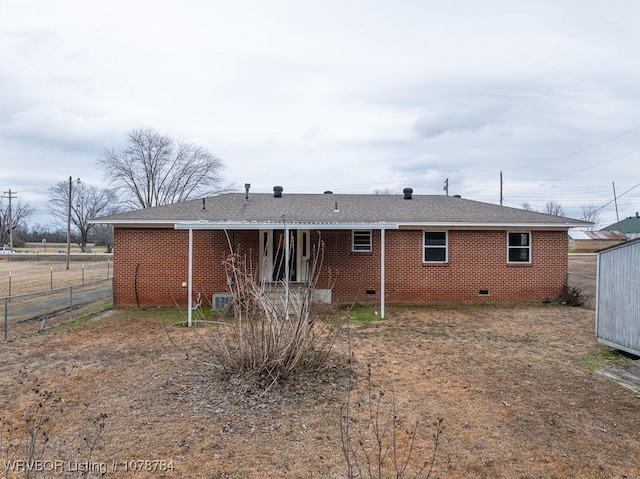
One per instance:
(571, 296)
(271, 336)
(29, 440)
(375, 443)
(32, 444)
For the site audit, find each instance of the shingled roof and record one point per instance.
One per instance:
(340, 210)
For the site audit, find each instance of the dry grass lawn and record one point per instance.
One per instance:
(515, 384)
(29, 276)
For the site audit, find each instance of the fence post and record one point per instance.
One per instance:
(83, 274)
(6, 319)
(9, 283)
(71, 303)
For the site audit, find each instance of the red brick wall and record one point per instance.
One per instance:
(477, 261)
(151, 264)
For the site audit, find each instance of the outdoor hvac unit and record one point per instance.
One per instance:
(221, 301)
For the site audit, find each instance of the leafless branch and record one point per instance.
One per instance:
(155, 169)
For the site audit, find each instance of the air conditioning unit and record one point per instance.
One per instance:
(221, 301)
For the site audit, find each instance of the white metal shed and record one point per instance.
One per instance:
(618, 297)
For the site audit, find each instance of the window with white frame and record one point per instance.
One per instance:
(361, 240)
(519, 247)
(435, 247)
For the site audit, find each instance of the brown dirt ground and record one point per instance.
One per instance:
(514, 384)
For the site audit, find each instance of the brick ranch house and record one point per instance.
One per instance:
(379, 248)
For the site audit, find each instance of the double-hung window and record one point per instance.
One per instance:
(361, 240)
(435, 247)
(519, 247)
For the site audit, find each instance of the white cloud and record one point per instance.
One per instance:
(332, 95)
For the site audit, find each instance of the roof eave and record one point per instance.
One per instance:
(135, 223)
(257, 225)
(489, 226)
(253, 225)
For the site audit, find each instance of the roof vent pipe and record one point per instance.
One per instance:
(328, 192)
(407, 193)
(204, 206)
(246, 191)
(277, 191)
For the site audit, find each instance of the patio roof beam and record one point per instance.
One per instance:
(206, 225)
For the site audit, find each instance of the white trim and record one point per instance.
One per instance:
(207, 225)
(302, 266)
(266, 254)
(353, 241)
(190, 280)
(382, 273)
(529, 247)
(452, 225)
(446, 246)
(248, 225)
(287, 271)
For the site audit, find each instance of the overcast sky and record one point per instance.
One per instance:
(350, 96)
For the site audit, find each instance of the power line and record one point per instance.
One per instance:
(598, 164)
(614, 199)
(582, 150)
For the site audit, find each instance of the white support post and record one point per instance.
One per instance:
(286, 271)
(382, 273)
(190, 279)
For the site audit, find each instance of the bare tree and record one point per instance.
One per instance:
(526, 206)
(155, 169)
(103, 236)
(553, 208)
(39, 232)
(591, 213)
(19, 213)
(87, 202)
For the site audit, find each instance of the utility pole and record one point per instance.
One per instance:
(615, 200)
(11, 195)
(501, 198)
(446, 186)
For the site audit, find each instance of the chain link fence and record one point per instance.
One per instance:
(33, 312)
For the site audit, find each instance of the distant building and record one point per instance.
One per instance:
(630, 226)
(581, 241)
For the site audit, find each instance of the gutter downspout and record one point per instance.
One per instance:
(382, 281)
(190, 279)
